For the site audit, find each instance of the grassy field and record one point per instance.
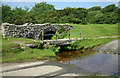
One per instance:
(8, 43)
(92, 43)
(12, 54)
(94, 30)
(27, 55)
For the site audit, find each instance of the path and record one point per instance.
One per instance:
(106, 37)
(43, 68)
(112, 47)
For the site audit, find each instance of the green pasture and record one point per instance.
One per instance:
(28, 54)
(94, 30)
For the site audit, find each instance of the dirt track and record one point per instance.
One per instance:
(112, 47)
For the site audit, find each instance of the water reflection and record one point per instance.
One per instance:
(104, 64)
(68, 56)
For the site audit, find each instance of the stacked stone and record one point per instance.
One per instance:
(30, 30)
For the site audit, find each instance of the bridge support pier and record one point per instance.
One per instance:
(80, 31)
(42, 34)
(56, 34)
(69, 35)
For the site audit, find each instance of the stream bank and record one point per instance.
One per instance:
(94, 62)
(104, 62)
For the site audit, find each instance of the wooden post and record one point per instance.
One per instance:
(80, 31)
(42, 34)
(69, 34)
(69, 61)
(56, 34)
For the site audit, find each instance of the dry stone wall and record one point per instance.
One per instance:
(30, 30)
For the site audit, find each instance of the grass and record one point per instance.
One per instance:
(18, 55)
(8, 43)
(94, 30)
(93, 43)
(29, 54)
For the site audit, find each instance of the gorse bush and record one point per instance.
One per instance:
(43, 12)
(39, 45)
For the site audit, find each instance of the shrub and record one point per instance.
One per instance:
(39, 45)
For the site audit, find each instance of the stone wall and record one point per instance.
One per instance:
(30, 30)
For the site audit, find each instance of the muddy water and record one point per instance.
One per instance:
(99, 63)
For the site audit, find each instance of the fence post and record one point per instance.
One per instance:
(80, 31)
(69, 34)
(56, 34)
(42, 34)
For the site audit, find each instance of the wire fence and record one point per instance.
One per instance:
(60, 34)
(65, 33)
(69, 34)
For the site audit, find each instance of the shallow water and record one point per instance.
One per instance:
(94, 62)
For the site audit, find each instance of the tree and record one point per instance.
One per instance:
(81, 13)
(43, 13)
(118, 15)
(6, 12)
(109, 8)
(96, 8)
(111, 18)
(0, 16)
(68, 10)
(99, 18)
(42, 7)
(18, 16)
(91, 16)
(64, 19)
(40, 12)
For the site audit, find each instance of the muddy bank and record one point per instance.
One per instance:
(112, 47)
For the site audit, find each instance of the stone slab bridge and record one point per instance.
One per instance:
(34, 31)
(66, 41)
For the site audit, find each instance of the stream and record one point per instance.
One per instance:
(94, 62)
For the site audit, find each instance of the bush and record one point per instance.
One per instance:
(43, 13)
(76, 21)
(109, 8)
(60, 34)
(56, 48)
(91, 16)
(39, 45)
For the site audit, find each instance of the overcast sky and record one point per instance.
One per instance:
(60, 0)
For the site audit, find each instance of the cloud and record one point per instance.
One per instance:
(60, 0)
